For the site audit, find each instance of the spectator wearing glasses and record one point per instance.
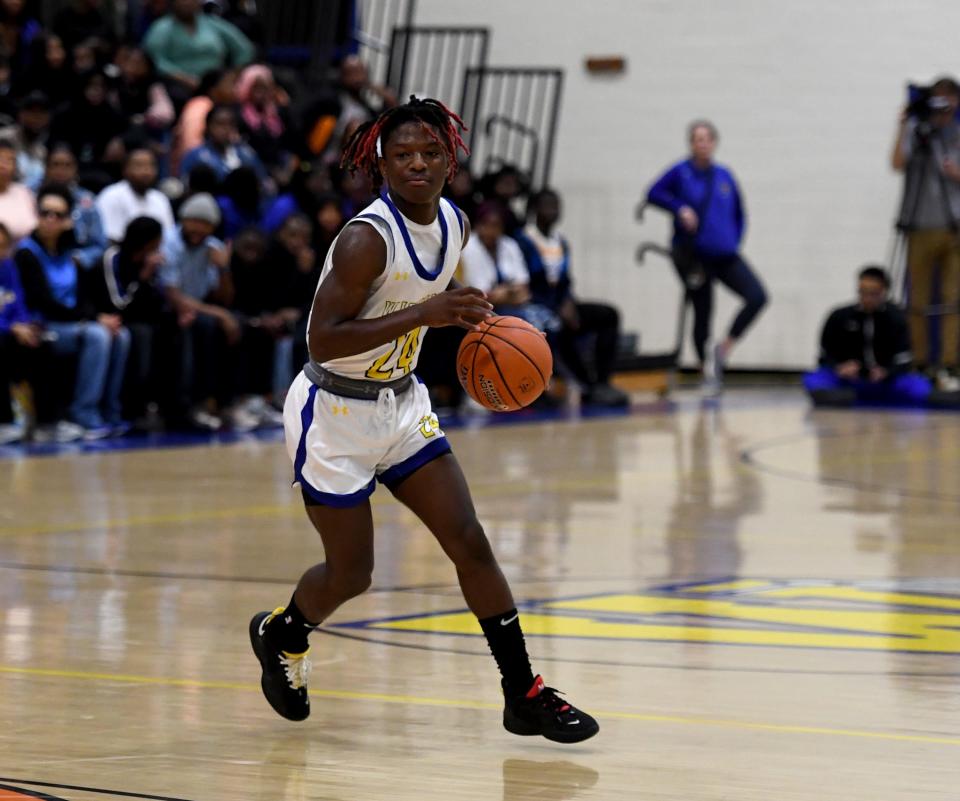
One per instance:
(56, 292)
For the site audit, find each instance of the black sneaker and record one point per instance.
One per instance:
(543, 711)
(284, 679)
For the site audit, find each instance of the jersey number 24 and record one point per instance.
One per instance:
(401, 353)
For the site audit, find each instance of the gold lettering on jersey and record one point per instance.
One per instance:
(390, 306)
(401, 276)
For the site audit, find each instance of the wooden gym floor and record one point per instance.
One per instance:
(757, 601)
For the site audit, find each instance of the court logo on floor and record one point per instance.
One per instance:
(915, 617)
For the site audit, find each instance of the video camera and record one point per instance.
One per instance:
(922, 103)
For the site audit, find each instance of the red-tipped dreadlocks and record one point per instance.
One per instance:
(360, 152)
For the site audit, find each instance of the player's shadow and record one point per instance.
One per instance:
(555, 780)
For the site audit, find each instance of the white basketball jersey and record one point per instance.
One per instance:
(421, 260)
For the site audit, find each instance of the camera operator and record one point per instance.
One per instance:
(927, 150)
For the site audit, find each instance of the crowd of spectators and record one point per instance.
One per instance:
(167, 199)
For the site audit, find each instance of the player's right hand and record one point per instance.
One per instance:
(465, 307)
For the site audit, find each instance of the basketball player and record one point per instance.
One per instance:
(356, 415)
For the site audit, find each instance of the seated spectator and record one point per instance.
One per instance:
(133, 292)
(50, 72)
(310, 181)
(141, 15)
(505, 186)
(223, 150)
(82, 20)
(88, 237)
(18, 210)
(22, 351)
(264, 121)
(865, 352)
(196, 278)
(141, 96)
(463, 192)
(242, 13)
(30, 136)
(240, 202)
(493, 262)
(354, 90)
(17, 31)
(328, 220)
(269, 301)
(134, 196)
(84, 62)
(201, 178)
(216, 89)
(547, 255)
(93, 128)
(356, 192)
(186, 44)
(66, 304)
(8, 92)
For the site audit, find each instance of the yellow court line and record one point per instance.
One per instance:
(414, 700)
(480, 490)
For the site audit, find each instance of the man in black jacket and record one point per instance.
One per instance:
(865, 352)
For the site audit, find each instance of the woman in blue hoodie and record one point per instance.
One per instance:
(709, 222)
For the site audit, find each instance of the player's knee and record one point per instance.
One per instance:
(473, 548)
(353, 581)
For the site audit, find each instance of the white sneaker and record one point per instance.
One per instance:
(947, 382)
(712, 370)
(258, 407)
(270, 417)
(205, 420)
(63, 431)
(11, 432)
(241, 420)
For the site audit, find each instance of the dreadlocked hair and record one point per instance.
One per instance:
(360, 153)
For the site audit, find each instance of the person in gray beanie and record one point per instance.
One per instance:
(196, 278)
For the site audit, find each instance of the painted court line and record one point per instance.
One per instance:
(412, 700)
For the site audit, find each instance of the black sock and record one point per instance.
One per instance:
(289, 630)
(505, 638)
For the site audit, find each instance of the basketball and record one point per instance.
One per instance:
(505, 365)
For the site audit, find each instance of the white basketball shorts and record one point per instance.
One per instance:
(340, 446)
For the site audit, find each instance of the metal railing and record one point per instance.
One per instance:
(431, 61)
(513, 114)
(374, 23)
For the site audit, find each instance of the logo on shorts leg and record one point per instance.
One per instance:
(429, 426)
(342, 410)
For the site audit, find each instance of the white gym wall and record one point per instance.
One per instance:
(805, 96)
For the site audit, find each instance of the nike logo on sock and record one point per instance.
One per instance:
(509, 620)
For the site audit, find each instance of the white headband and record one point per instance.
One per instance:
(379, 148)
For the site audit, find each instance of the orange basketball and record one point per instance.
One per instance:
(505, 365)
